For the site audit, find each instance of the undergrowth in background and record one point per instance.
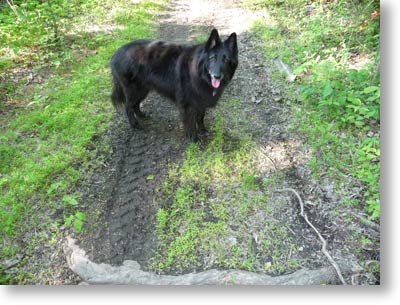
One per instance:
(47, 134)
(333, 48)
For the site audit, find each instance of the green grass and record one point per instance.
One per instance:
(214, 203)
(333, 47)
(46, 144)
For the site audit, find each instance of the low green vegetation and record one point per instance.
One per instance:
(217, 212)
(47, 131)
(333, 47)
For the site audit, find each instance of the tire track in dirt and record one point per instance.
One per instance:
(126, 230)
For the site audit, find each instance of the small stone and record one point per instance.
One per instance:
(232, 240)
(291, 78)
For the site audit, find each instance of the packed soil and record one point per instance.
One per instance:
(122, 194)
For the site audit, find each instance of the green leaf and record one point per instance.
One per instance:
(150, 177)
(327, 90)
(81, 216)
(78, 225)
(363, 110)
(358, 123)
(68, 220)
(370, 89)
(69, 200)
(354, 100)
(54, 187)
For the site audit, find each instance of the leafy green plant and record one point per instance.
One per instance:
(70, 200)
(343, 98)
(77, 221)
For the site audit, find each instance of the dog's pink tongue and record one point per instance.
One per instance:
(215, 82)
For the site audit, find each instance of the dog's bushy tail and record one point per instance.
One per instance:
(117, 95)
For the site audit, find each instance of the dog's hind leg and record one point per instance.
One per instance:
(134, 94)
(136, 106)
(117, 95)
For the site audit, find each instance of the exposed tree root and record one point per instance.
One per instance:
(130, 273)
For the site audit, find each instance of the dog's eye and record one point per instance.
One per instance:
(225, 59)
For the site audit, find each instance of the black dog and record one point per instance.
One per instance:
(194, 77)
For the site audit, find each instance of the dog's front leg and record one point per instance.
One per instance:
(190, 116)
(200, 121)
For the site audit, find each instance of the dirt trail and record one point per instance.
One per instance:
(141, 155)
(139, 164)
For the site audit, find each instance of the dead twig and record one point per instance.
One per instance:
(367, 222)
(323, 241)
(265, 156)
(14, 9)
(11, 263)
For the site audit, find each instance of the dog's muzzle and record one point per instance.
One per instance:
(216, 80)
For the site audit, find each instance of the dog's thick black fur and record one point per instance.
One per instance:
(194, 77)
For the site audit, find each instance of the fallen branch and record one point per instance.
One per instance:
(290, 77)
(367, 222)
(323, 241)
(11, 263)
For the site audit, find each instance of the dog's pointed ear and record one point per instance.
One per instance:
(231, 42)
(213, 40)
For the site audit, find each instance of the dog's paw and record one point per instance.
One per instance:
(141, 115)
(204, 132)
